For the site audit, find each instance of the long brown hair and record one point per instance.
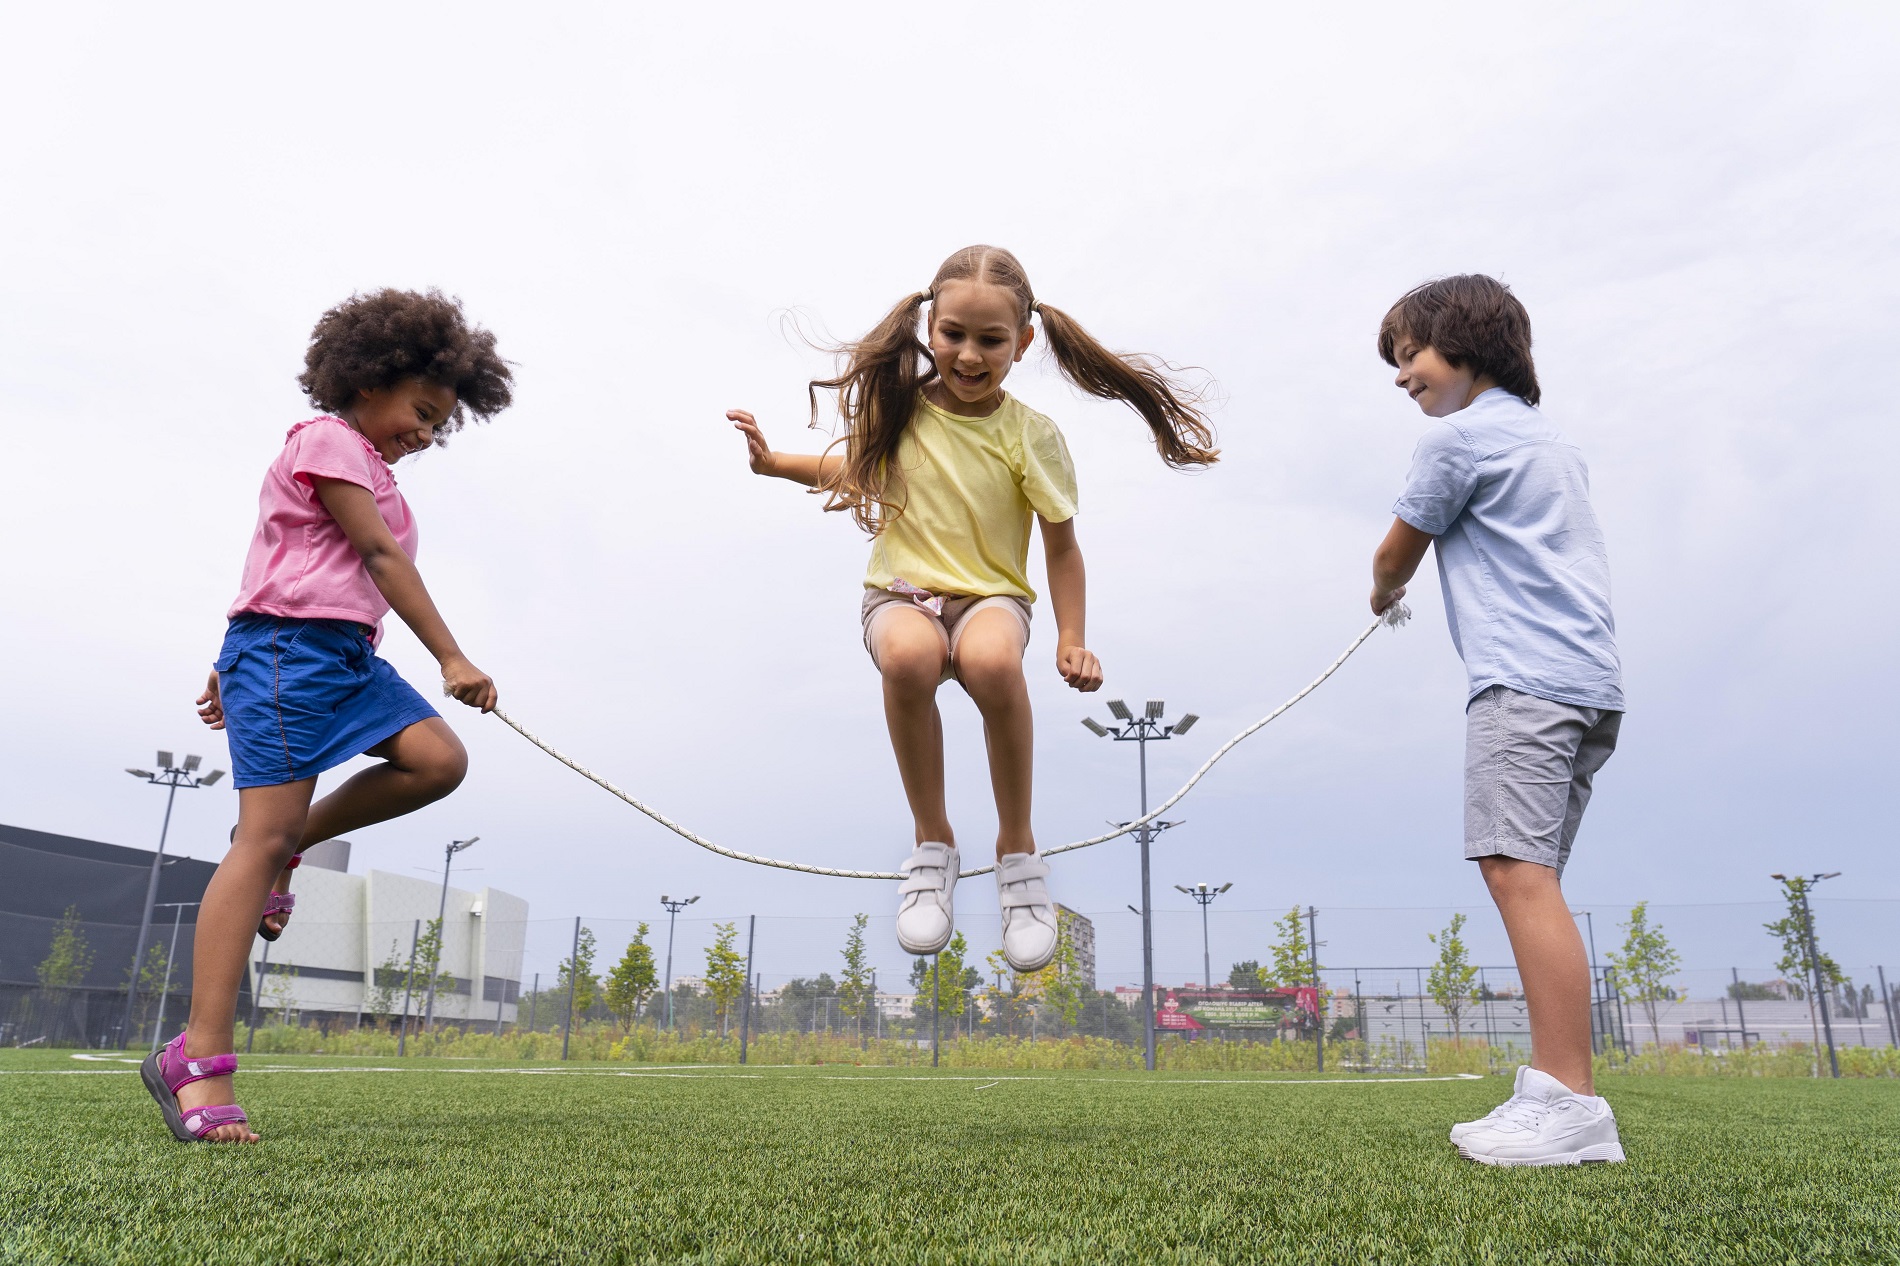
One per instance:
(885, 370)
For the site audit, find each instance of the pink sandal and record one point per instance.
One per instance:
(279, 902)
(166, 1070)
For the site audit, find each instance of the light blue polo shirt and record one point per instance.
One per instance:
(1520, 555)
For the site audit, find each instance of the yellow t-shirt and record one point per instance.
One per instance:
(970, 488)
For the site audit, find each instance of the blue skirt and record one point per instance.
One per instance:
(303, 696)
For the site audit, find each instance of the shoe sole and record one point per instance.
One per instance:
(167, 1101)
(1595, 1154)
(1050, 957)
(925, 950)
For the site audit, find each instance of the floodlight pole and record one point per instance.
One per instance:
(165, 991)
(171, 778)
(1142, 730)
(673, 908)
(441, 929)
(1204, 894)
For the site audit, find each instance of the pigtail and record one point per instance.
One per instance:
(1182, 434)
(877, 392)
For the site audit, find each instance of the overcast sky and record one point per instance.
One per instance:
(1697, 204)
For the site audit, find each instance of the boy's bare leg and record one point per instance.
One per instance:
(910, 656)
(1551, 963)
(421, 764)
(270, 822)
(990, 666)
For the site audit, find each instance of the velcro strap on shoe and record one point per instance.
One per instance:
(201, 1121)
(1016, 896)
(1023, 872)
(280, 903)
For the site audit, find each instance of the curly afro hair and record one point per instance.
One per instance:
(376, 340)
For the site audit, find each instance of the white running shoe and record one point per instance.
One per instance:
(1030, 930)
(1547, 1125)
(925, 917)
(1463, 1128)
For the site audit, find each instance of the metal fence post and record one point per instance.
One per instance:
(164, 993)
(1319, 1016)
(573, 976)
(408, 988)
(745, 1009)
(257, 987)
(1741, 1017)
(936, 1000)
(1886, 1005)
(534, 1001)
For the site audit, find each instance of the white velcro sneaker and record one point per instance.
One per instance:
(925, 917)
(1030, 930)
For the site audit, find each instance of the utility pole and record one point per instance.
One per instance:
(171, 778)
(441, 929)
(1312, 956)
(673, 908)
(1596, 1007)
(1141, 731)
(936, 1003)
(408, 987)
(1204, 895)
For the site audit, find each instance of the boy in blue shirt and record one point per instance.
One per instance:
(1527, 593)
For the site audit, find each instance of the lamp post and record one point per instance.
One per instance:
(1205, 895)
(1142, 730)
(171, 777)
(441, 931)
(1814, 959)
(673, 907)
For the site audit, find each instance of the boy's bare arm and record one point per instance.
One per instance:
(1395, 562)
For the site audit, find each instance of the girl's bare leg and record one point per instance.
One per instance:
(990, 666)
(910, 656)
(270, 822)
(421, 764)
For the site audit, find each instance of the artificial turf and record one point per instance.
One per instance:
(456, 1161)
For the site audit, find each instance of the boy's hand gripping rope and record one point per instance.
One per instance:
(1394, 616)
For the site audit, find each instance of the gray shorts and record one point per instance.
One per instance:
(1528, 766)
(950, 623)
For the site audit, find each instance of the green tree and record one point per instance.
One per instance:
(725, 972)
(68, 958)
(585, 983)
(855, 995)
(1801, 959)
(429, 961)
(633, 979)
(386, 983)
(1245, 974)
(151, 982)
(1645, 962)
(947, 977)
(1058, 984)
(1453, 982)
(1292, 964)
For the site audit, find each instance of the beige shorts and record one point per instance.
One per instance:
(879, 603)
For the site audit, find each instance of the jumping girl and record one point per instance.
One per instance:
(298, 684)
(945, 470)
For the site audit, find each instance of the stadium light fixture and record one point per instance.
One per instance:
(441, 931)
(1186, 723)
(673, 907)
(170, 778)
(1141, 731)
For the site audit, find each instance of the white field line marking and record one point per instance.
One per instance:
(708, 1074)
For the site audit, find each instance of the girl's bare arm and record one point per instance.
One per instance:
(810, 469)
(1068, 594)
(354, 508)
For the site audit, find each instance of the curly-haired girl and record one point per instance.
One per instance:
(945, 470)
(298, 685)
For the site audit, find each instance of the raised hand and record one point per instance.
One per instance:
(758, 452)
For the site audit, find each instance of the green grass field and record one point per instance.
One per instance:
(457, 1161)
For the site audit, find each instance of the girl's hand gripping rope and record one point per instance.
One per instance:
(465, 683)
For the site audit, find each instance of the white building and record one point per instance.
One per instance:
(351, 933)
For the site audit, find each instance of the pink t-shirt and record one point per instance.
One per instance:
(301, 564)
